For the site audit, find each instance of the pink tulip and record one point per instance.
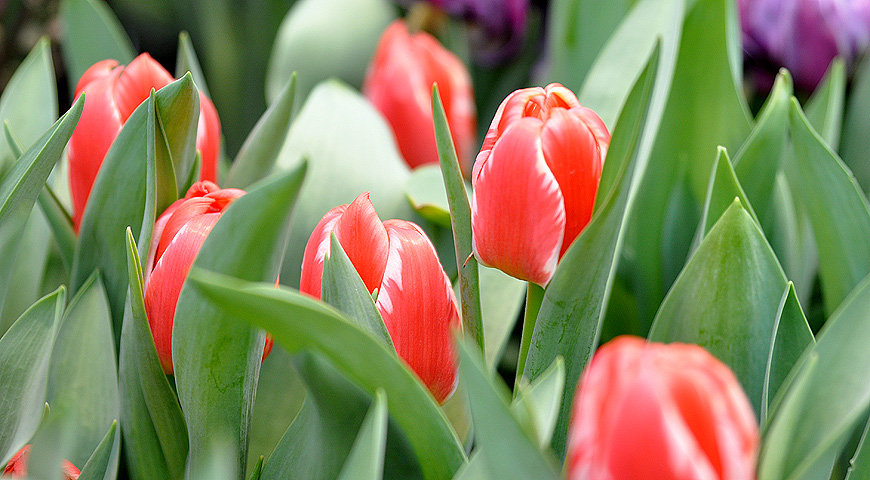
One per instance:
(654, 411)
(415, 297)
(17, 467)
(112, 94)
(399, 84)
(178, 235)
(534, 181)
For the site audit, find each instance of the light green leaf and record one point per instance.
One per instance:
(474, 468)
(855, 141)
(177, 122)
(187, 61)
(541, 401)
(102, 464)
(860, 464)
(425, 191)
(501, 298)
(60, 223)
(91, 33)
(721, 192)
(825, 108)
(366, 459)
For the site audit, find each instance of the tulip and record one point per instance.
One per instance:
(178, 235)
(534, 181)
(804, 35)
(399, 84)
(415, 297)
(112, 92)
(17, 467)
(655, 411)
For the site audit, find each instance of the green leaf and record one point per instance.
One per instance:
(83, 376)
(541, 400)
(343, 288)
(573, 306)
(721, 192)
(258, 469)
(824, 397)
(187, 61)
(298, 322)
(216, 359)
(824, 186)
(177, 121)
(460, 214)
(860, 464)
(25, 350)
(425, 191)
(501, 298)
(257, 157)
(29, 269)
(60, 223)
(100, 464)
(156, 443)
(507, 448)
(321, 39)
(29, 101)
(474, 468)
(366, 460)
(855, 141)
(730, 313)
(825, 108)
(91, 33)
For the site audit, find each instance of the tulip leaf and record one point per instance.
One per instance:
(351, 150)
(425, 191)
(25, 351)
(474, 468)
(501, 299)
(541, 399)
(83, 377)
(824, 109)
(100, 464)
(321, 39)
(258, 469)
(298, 322)
(859, 468)
(366, 459)
(257, 157)
(855, 141)
(573, 306)
(92, 33)
(29, 102)
(60, 223)
(825, 396)
(187, 61)
(343, 288)
(177, 121)
(507, 448)
(460, 215)
(721, 192)
(216, 359)
(791, 336)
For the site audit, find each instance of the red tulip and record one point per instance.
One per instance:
(654, 411)
(399, 84)
(415, 297)
(534, 181)
(178, 235)
(112, 93)
(17, 467)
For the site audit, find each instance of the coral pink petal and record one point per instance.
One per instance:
(156, 235)
(597, 127)
(517, 211)
(572, 154)
(136, 81)
(364, 240)
(560, 97)
(96, 72)
(188, 211)
(315, 251)
(208, 138)
(419, 309)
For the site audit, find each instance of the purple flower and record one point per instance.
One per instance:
(804, 35)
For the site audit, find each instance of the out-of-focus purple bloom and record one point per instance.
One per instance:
(804, 35)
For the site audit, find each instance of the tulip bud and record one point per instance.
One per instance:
(178, 235)
(17, 467)
(803, 35)
(399, 84)
(655, 411)
(415, 297)
(534, 181)
(112, 93)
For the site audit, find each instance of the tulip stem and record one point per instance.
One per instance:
(534, 297)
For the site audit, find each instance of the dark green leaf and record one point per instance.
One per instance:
(721, 192)
(825, 108)
(366, 459)
(92, 33)
(102, 464)
(425, 191)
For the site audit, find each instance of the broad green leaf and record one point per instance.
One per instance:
(825, 108)
(350, 150)
(541, 399)
(48, 445)
(730, 313)
(29, 269)
(507, 448)
(83, 376)
(791, 336)
(573, 306)
(257, 157)
(177, 122)
(25, 350)
(156, 443)
(790, 234)
(298, 322)
(837, 209)
(91, 33)
(460, 215)
(343, 288)
(474, 468)
(501, 300)
(217, 359)
(321, 39)
(29, 101)
(366, 459)
(187, 61)
(860, 463)
(425, 191)
(721, 192)
(855, 141)
(825, 396)
(101, 464)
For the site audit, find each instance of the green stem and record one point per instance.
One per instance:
(534, 297)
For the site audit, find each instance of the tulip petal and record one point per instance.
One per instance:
(419, 308)
(364, 240)
(208, 138)
(135, 82)
(510, 110)
(96, 72)
(316, 250)
(517, 210)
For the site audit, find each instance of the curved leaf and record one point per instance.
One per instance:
(366, 460)
(100, 464)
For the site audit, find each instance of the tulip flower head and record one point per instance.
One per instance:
(415, 297)
(17, 466)
(535, 180)
(178, 235)
(655, 411)
(399, 84)
(112, 92)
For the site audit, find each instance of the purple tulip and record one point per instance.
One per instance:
(804, 35)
